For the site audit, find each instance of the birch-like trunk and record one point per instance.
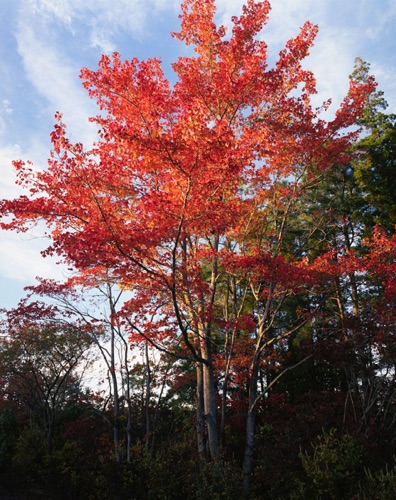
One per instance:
(248, 461)
(200, 412)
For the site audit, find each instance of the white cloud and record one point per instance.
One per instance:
(103, 20)
(331, 66)
(98, 38)
(8, 188)
(376, 21)
(5, 111)
(6, 107)
(61, 9)
(54, 76)
(387, 83)
(20, 258)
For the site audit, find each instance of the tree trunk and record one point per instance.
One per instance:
(157, 407)
(248, 462)
(116, 410)
(148, 395)
(128, 427)
(210, 410)
(228, 349)
(201, 434)
(224, 408)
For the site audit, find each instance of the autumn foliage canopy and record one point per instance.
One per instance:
(197, 196)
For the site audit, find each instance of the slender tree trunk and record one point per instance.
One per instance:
(157, 407)
(147, 403)
(201, 434)
(224, 407)
(208, 372)
(116, 410)
(228, 357)
(113, 375)
(116, 415)
(210, 408)
(49, 418)
(128, 428)
(248, 462)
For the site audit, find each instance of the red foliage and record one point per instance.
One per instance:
(191, 185)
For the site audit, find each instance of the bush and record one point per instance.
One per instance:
(333, 470)
(380, 485)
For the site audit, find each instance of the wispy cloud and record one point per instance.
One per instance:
(20, 258)
(5, 111)
(8, 153)
(103, 20)
(52, 74)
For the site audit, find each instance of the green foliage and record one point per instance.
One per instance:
(8, 436)
(28, 467)
(375, 173)
(333, 469)
(380, 485)
(375, 166)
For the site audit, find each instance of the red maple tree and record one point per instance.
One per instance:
(191, 187)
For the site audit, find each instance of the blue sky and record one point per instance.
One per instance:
(45, 43)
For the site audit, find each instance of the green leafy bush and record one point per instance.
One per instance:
(333, 469)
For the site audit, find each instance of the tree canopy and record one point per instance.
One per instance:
(242, 223)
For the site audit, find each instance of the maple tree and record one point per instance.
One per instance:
(190, 194)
